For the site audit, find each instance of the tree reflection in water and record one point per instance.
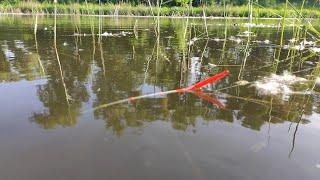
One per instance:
(112, 70)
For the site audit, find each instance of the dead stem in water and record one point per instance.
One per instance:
(57, 57)
(297, 126)
(36, 44)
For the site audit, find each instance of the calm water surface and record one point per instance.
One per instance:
(49, 131)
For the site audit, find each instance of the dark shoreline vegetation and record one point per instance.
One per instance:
(145, 10)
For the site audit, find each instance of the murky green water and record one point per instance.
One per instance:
(49, 131)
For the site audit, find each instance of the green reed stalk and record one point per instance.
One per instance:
(100, 22)
(247, 50)
(275, 64)
(57, 54)
(225, 32)
(283, 22)
(205, 21)
(36, 44)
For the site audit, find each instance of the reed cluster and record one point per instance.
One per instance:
(145, 10)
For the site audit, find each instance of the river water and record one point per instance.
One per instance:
(248, 129)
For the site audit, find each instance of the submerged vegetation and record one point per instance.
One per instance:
(214, 9)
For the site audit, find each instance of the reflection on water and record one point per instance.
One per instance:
(98, 71)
